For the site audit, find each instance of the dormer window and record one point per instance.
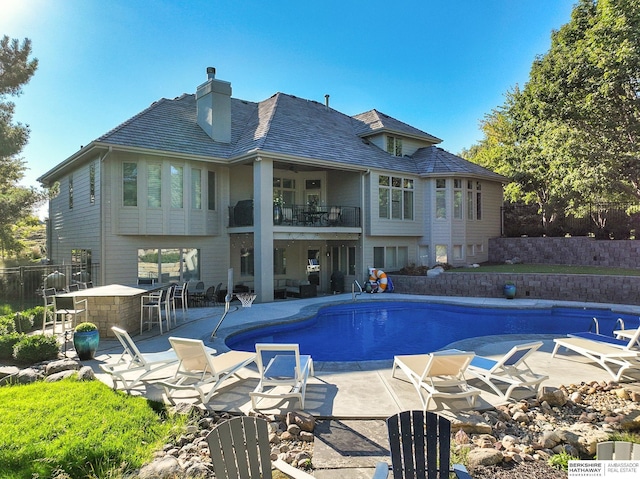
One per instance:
(394, 145)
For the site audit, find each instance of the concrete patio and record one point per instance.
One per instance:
(349, 400)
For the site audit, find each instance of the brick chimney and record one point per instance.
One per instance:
(213, 100)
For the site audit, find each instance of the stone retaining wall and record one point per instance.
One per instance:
(565, 287)
(579, 250)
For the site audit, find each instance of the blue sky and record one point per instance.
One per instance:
(437, 65)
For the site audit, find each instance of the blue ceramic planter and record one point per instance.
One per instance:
(509, 291)
(86, 344)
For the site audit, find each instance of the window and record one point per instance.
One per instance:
(478, 201)
(457, 199)
(81, 264)
(130, 184)
(457, 251)
(470, 208)
(70, 192)
(343, 259)
(170, 264)
(394, 145)
(395, 197)
(196, 189)
(176, 187)
(378, 257)
(279, 261)
(246, 262)
(211, 190)
(92, 183)
(470, 250)
(154, 186)
(441, 199)
(391, 256)
(441, 253)
(285, 188)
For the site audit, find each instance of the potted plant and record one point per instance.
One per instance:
(509, 290)
(278, 203)
(85, 340)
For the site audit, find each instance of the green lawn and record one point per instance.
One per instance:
(74, 429)
(550, 268)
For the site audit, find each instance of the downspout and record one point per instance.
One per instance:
(101, 225)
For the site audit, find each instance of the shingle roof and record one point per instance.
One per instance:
(434, 160)
(373, 121)
(286, 125)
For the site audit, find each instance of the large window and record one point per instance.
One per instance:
(478, 201)
(470, 200)
(177, 186)
(343, 258)
(130, 184)
(395, 197)
(442, 256)
(211, 190)
(441, 199)
(170, 264)
(394, 145)
(196, 189)
(474, 200)
(390, 257)
(154, 186)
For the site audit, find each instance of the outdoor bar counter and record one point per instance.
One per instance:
(114, 305)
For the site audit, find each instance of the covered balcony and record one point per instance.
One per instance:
(299, 215)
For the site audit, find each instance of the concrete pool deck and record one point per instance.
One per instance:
(353, 389)
(352, 399)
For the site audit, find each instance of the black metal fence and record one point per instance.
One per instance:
(298, 215)
(22, 286)
(601, 220)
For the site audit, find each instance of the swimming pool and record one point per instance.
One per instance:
(365, 331)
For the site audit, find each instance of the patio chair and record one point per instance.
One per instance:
(283, 373)
(334, 216)
(511, 369)
(605, 354)
(438, 375)
(168, 302)
(617, 451)
(66, 306)
(420, 444)
(181, 298)
(240, 447)
(626, 339)
(198, 369)
(49, 308)
(151, 304)
(132, 367)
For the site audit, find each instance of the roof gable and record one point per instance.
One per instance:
(372, 122)
(434, 160)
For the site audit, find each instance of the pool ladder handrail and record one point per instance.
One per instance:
(596, 324)
(354, 295)
(227, 302)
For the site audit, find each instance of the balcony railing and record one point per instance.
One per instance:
(299, 215)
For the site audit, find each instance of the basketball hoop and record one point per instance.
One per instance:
(246, 299)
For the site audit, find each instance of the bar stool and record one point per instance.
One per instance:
(151, 303)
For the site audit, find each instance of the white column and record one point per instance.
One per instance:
(263, 227)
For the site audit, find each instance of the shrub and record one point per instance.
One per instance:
(7, 325)
(37, 313)
(86, 326)
(36, 348)
(561, 460)
(23, 321)
(7, 341)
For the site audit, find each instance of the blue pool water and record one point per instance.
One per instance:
(377, 330)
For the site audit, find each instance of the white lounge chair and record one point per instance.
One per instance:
(283, 373)
(132, 367)
(511, 370)
(623, 338)
(605, 354)
(200, 370)
(438, 375)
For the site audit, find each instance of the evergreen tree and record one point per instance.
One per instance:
(16, 202)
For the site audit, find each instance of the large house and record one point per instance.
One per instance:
(282, 189)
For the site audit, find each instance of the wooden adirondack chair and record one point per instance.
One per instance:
(420, 447)
(240, 447)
